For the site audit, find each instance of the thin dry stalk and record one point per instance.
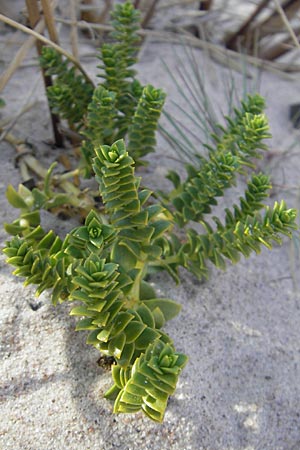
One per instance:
(25, 108)
(27, 162)
(172, 3)
(49, 19)
(273, 22)
(21, 53)
(43, 39)
(34, 17)
(149, 13)
(284, 11)
(74, 32)
(233, 39)
(279, 49)
(86, 25)
(88, 11)
(6, 122)
(217, 51)
(287, 23)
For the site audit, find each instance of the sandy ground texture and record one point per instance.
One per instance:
(241, 330)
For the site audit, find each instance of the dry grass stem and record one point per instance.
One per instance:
(71, 134)
(172, 3)
(89, 11)
(232, 41)
(149, 13)
(253, 31)
(280, 48)
(74, 33)
(26, 106)
(11, 139)
(34, 16)
(49, 19)
(217, 51)
(46, 41)
(274, 21)
(27, 162)
(8, 122)
(287, 23)
(21, 53)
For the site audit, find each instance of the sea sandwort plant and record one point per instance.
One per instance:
(101, 266)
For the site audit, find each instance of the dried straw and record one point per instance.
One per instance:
(34, 16)
(218, 52)
(74, 33)
(21, 53)
(49, 19)
(46, 41)
(287, 23)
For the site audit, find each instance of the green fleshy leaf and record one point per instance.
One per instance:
(146, 291)
(14, 198)
(145, 313)
(168, 307)
(85, 324)
(122, 255)
(133, 330)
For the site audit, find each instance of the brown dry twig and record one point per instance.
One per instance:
(287, 23)
(233, 39)
(49, 19)
(21, 53)
(46, 41)
(34, 17)
(74, 33)
(218, 52)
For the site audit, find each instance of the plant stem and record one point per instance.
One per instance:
(34, 17)
(65, 176)
(134, 296)
(167, 261)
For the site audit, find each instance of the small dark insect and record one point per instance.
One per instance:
(35, 305)
(106, 362)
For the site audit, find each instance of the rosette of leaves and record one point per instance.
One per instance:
(149, 382)
(117, 328)
(92, 238)
(50, 263)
